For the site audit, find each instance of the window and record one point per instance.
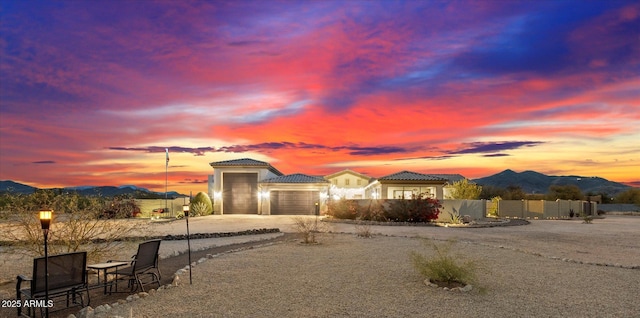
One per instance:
(402, 194)
(335, 181)
(359, 182)
(346, 181)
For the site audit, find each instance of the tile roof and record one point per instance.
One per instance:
(240, 162)
(333, 175)
(295, 178)
(411, 176)
(245, 162)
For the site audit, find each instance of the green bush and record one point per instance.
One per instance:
(200, 205)
(444, 268)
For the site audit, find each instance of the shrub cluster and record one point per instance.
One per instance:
(418, 209)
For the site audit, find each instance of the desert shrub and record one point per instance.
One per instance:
(198, 208)
(309, 228)
(375, 211)
(342, 209)
(201, 205)
(363, 230)
(444, 268)
(122, 207)
(454, 217)
(70, 232)
(418, 209)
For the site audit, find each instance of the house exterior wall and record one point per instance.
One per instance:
(348, 185)
(216, 181)
(391, 190)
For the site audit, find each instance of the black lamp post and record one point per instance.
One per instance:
(185, 209)
(45, 222)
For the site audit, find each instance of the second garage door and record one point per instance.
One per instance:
(294, 202)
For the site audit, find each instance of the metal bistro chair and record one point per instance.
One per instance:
(67, 277)
(144, 263)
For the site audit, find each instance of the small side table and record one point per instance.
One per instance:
(104, 267)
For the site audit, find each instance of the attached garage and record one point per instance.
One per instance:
(294, 202)
(294, 194)
(240, 193)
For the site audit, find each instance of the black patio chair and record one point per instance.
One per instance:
(67, 277)
(143, 264)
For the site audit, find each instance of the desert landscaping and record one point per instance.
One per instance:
(548, 268)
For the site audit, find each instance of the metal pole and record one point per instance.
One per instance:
(186, 216)
(166, 183)
(189, 248)
(46, 273)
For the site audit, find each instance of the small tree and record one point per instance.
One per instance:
(465, 190)
(564, 192)
(631, 196)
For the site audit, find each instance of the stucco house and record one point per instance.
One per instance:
(348, 184)
(405, 184)
(249, 186)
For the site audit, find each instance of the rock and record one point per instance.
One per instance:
(176, 280)
(131, 298)
(122, 301)
(86, 312)
(99, 309)
(466, 219)
(72, 316)
(116, 304)
(152, 292)
(466, 288)
(200, 261)
(143, 294)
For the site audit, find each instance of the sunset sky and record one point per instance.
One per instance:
(92, 92)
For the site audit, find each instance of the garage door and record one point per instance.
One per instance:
(294, 202)
(239, 193)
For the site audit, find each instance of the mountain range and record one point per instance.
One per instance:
(537, 183)
(107, 191)
(530, 182)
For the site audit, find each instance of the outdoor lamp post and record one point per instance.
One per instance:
(45, 222)
(185, 209)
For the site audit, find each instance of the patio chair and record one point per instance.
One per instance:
(143, 264)
(67, 277)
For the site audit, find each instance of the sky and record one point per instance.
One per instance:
(93, 92)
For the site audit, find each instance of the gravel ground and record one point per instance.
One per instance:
(546, 269)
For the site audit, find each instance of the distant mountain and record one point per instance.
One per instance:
(535, 182)
(107, 191)
(10, 186)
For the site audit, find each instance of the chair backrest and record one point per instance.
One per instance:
(147, 256)
(65, 271)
